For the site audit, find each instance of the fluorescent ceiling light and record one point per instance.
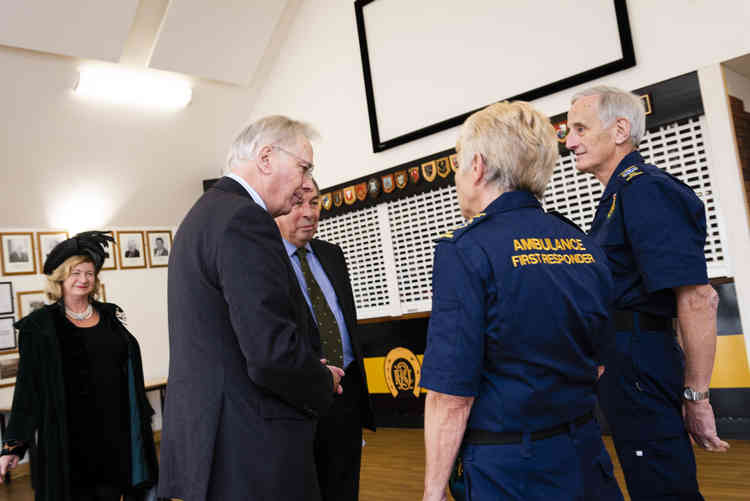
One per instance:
(133, 88)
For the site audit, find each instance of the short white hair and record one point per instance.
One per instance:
(270, 130)
(616, 103)
(517, 143)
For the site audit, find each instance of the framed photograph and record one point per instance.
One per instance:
(6, 298)
(46, 241)
(7, 334)
(159, 247)
(110, 259)
(18, 253)
(131, 249)
(9, 367)
(29, 301)
(102, 292)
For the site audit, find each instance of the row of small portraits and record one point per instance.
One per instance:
(136, 249)
(25, 303)
(428, 171)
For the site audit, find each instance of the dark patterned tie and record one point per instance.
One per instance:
(330, 336)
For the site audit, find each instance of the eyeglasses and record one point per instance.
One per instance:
(306, 166)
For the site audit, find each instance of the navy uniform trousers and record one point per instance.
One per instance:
(542, 469)
(640, 394)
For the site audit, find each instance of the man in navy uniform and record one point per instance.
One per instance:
(653, 229)
(321, 271)
(519, 311)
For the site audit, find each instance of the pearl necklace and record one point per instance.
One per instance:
(85, 315)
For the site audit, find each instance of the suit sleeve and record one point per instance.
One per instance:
(255, 282)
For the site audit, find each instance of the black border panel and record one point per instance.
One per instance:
(378, 145)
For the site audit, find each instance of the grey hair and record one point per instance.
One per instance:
(274, 129)
(517, 143)
(616, 103)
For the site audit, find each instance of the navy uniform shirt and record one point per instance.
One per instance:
(520, 301)
(653, 229)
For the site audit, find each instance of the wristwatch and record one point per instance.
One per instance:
(690, 394)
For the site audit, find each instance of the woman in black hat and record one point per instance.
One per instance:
(80, 389)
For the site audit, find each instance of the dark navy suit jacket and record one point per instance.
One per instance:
(245, 381)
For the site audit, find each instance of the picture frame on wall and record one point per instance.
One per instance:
(110, 255)
(7, 334)
(102, 292)
(8, 368)
(131, 249)
(46, 241)
(29, 301)
(18, 256)
(159, 246)
(6, 298)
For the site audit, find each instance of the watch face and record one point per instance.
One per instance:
(688, 394)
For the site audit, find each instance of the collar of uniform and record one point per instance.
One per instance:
(512, 200)
(291, 249)
(632, 158)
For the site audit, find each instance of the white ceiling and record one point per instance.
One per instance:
(82, 28)
(222, 40)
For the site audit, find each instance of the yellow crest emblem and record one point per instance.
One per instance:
(402, 372)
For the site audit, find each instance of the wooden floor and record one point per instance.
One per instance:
(393, 468)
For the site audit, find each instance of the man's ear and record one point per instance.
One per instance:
(264, 159)
(478, 168)
(622, 130)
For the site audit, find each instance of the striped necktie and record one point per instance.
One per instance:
(330, 336)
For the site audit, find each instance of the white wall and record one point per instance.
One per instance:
(738, 86)
(69, 161)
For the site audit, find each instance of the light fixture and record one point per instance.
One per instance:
(138, 88)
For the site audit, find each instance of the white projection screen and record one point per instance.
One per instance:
(416, 53)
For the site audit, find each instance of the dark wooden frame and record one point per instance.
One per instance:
(627, 61)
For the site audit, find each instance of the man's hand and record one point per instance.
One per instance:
(337, 374)
(7, 463)
(701, 425)
(599, 371)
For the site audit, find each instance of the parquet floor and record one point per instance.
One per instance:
(393, 469)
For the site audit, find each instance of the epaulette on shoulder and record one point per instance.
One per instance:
(455, 233)
(631, 172)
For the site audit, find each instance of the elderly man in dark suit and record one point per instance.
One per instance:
(322, 274)
(246, 384)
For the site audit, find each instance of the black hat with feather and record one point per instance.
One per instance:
(89, 243)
